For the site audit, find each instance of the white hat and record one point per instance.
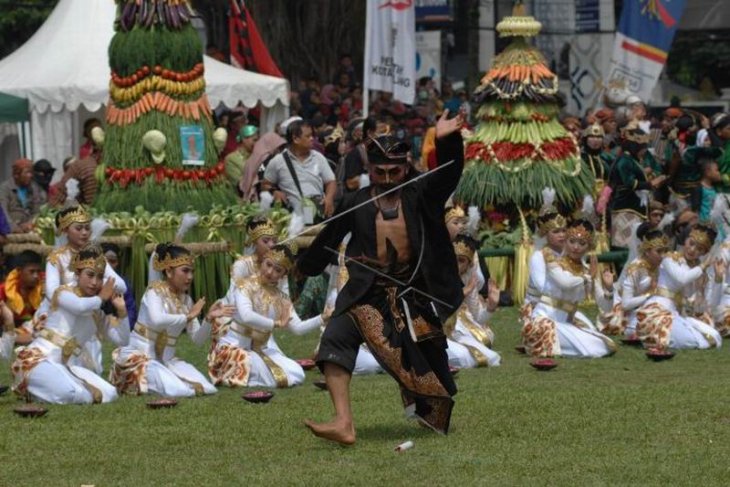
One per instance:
(632, 99)
(285, 124)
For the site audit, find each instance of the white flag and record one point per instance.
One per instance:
(390, 52)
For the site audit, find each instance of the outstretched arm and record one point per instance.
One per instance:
(449, 147)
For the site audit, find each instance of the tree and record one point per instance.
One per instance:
(20, 20)
(305, 38)
(158, 116)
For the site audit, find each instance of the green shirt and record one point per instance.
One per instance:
(723, 164)
(311, 300)
(234, 163)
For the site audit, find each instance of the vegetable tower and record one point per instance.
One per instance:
(519, 146)
(159, 151)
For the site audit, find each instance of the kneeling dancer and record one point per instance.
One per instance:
(44, 370)
(150, 363)
(245, 352)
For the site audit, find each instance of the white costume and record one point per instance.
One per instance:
(469, 336)
(721, 312)
(45, 370)
(58, 273)
(538, 273)
(636, 289)
(245, 352)
(247, 266)
(149, 363)
(676, 316)
(553, 328)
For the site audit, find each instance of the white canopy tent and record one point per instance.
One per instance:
(63, 71)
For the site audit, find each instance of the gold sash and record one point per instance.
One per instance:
(161, 339)
(566, 306)
(68, 346)
(258, 340)
(666, 293)
(476, 331)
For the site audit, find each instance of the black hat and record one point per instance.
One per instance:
(386, 149)
(43, 165)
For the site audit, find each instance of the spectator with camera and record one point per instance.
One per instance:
(300, 177)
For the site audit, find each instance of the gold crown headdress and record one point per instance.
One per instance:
(265, 228)
(337, 134)
(702, 237)
(279, 255)
(580, 232)
(660, 242)
(633, 133)
(77, 215)
(595, 130)
(551, 221)
(98, 263)
(453, 213)
(170, 262)
(461, 248)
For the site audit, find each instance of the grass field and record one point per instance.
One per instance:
(618, 421)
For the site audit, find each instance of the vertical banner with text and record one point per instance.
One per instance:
(391, 61)
(644, 36)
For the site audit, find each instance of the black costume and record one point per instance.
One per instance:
(384, 313)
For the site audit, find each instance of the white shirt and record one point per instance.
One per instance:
(313, 173)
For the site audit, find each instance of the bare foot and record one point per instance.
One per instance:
(339, 432)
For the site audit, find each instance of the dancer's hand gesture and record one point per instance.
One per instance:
(446, 126)
(285, 317)
(196, 309)
(720, 267)
(107, 290)
(6, 315)
(593, 269)
(492, 296)
(218, 310)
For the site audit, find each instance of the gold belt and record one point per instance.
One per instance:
(162, 339)
(258, 340)
(666, 293)
(68, 346)
(569, 308)
(258, 337)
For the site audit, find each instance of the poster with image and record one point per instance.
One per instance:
(193, 145)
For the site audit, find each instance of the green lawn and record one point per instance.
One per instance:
(621, 420)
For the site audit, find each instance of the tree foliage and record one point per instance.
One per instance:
(20, 20)
(305, 38)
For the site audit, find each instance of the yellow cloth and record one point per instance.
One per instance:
(14, 300)
(429, 144)
(499, 269)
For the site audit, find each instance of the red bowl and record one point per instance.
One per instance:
(306, 363)
(258, 396)
(659, 355)
(631, 340)
(30, 411)
(320, 384)
(544, 364)
(162, 403)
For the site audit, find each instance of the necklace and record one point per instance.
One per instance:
(388, 213)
